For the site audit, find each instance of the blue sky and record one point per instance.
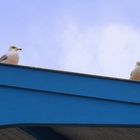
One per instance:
(88, 36)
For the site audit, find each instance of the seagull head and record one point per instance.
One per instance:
(138, 63)
(14, 48)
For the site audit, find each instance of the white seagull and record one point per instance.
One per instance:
(11, 57)
(135, 74)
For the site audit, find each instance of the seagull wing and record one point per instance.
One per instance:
(2, 58)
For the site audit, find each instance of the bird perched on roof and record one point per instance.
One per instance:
(135, 74)
(11, 57)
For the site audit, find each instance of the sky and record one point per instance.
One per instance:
(98, 37)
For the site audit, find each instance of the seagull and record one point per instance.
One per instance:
(135, 74)
(11, 57)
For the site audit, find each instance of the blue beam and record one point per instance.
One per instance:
(33, 96)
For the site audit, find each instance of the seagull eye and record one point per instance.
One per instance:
(13, 47)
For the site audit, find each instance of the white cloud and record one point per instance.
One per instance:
(110, 50)
(79, 50)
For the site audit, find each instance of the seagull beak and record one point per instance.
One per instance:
(19, 49)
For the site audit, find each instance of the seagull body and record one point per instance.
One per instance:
(135, 74)
(11, 57)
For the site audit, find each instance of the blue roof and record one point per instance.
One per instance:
(34, 96)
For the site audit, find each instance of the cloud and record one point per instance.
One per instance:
(118, 50)
(109, 50)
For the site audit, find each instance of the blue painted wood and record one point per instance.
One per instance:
(30, 96)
